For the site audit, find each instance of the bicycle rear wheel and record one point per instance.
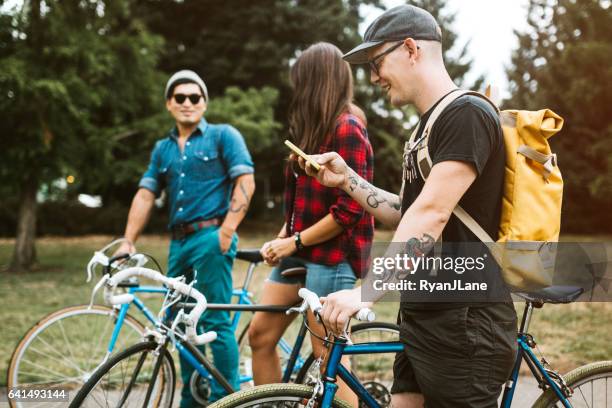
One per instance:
(374, 371)
(273, 396)
(65, 347)
(125, 380)
(592, 386)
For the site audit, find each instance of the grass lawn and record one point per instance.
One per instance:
(568, 335)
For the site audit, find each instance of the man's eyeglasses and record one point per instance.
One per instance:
(375, 62)
(193, 98)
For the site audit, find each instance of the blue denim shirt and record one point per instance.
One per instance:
(199, 180)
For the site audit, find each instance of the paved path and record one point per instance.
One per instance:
(526, 394)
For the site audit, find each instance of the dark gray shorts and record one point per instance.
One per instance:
(457, 357)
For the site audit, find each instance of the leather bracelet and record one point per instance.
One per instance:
(298, 241)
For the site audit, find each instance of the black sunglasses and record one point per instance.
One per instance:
(375, 62)
(193, 98)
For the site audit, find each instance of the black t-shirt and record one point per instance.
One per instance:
(467, 130)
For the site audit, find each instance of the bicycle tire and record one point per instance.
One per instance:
(577, 378)
(17, 374)
(288, 394)
(162, 400)
(378, 386)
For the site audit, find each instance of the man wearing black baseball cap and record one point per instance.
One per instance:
(200, 165)
(457, 354)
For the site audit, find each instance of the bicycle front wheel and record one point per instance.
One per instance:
(127, 380)
(65, 347)
(591, 385)
(273, 396)
(374, 371)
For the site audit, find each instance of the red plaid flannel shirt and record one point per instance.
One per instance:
(307, 201)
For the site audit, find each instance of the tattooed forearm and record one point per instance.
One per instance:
(241, 205)
(416, 248)
(375, 196)
(420, 247)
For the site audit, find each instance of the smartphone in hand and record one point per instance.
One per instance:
(303, 155)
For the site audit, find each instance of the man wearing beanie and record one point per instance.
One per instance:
(456, 354)
(207, 172)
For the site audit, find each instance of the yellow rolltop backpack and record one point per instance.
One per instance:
(525, 247)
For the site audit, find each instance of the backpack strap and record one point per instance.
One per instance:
(424, 162)
(472, 225)
(548, 161)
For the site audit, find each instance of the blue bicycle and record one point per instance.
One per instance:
(143, 374)
(586, 386)
(58, 352)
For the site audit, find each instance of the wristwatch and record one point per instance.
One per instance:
(298, 241)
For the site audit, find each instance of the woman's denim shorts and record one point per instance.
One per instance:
(321, 279)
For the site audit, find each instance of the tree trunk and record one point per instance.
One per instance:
(24, 254)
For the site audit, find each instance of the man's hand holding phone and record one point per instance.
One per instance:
(333, 172)
(329, 169)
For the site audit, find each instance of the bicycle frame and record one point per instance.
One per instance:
(243, 295)
(244, 303)
(525, 342)
(336, 368)
(341, 348)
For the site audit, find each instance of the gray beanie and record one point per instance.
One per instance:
(188, 75)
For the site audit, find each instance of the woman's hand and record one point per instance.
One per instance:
(274, 251)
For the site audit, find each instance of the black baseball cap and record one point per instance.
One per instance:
(396, 24)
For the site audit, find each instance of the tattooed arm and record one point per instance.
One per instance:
(384, 206)
(420, 226)
(244, 187)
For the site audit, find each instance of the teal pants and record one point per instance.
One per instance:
(200, 252)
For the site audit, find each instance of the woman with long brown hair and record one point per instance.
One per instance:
(325, 230)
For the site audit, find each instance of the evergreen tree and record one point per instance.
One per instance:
(74, 78)
(563, 63)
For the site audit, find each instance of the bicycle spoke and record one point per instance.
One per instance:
(51, 348)
(129, 379)
(40, 367)
(61, 325)
(47, 382)
(70, 363)
(100, 339)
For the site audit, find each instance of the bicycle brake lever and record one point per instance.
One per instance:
(298, 309)
(347, 336)
(101, 283)
(98, 258)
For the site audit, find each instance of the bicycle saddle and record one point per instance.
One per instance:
(249, 255)
(292, 267)
(553, 294)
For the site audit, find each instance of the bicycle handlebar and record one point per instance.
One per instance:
(312, 301)
(99, 258)
(190, 320)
